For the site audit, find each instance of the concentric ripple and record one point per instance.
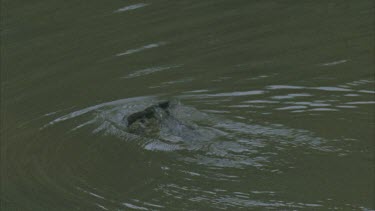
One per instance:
(215, 141)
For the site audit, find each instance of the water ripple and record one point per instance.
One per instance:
(225, 143)
(145, 47)
(335, 62)
(149, 71)
(230, 94)
(290, 96)
(131, 7)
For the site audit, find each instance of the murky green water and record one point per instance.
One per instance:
(280, 96)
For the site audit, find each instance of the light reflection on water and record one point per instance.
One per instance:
(145, 47)
(131, 7)
(216, 143)
(276, 105)
(236, 143)
(148, 71)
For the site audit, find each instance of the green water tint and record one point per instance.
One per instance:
(274, 105)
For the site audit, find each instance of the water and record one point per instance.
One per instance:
(281, 96)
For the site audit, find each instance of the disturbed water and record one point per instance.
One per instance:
(273, 105)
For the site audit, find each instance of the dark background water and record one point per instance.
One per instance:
(290, 83)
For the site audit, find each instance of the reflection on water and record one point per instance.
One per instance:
(321, 101)
(335, 62)
(148, 71)
(289, 96)
(136, 50)
(131, 7)
(232, 94)
(214, 141)
(273, 105)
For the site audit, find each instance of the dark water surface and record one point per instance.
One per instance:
(280, 96)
